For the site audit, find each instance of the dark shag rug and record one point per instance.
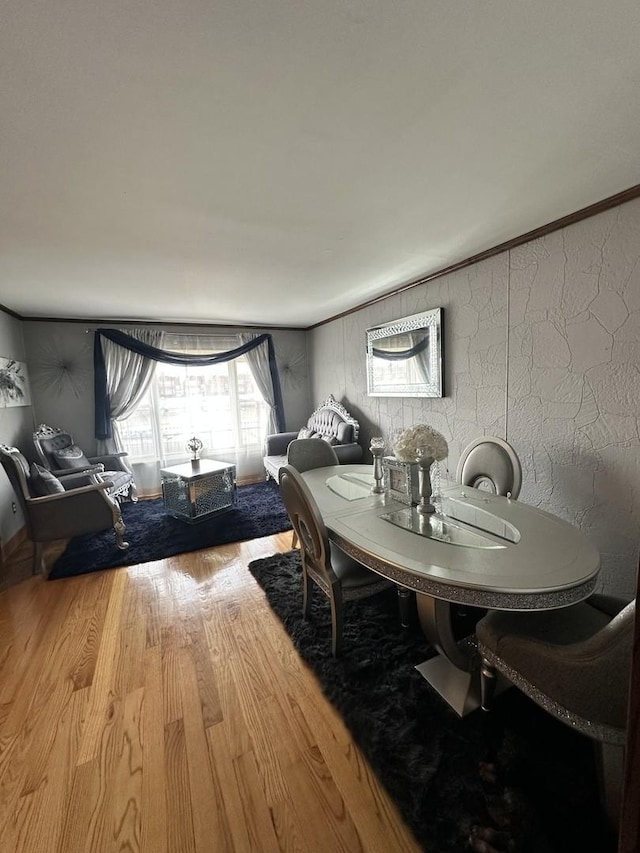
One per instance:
(515, 779)
(153, 534)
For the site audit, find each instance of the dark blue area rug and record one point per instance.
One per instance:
(153, 534)
(513, 780)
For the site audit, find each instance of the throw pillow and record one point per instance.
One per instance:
(43, 482)
(305, 432)
(71, 457)
(330, 439)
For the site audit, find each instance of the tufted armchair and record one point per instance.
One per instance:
(331, 422)
(60, 455)
(60, 508)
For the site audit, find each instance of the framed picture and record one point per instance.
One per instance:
(401, 480)
(404, 358)
(14, 383)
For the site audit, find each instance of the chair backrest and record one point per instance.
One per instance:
(332, 419)
(306, 454)
(47, 440)
(491, 462)
(308, 525)
(17, 470)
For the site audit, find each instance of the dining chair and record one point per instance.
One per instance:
(491, 463)
(305, 454)
(575, 663)
(488, 463)
(335, 573)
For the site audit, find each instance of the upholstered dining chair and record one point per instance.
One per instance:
(324, 564)
(488, 463)
(60, 508)
(59, 454)
(575, 663)
(491, 463)
(305, 454)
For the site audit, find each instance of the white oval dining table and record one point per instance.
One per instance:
(479, 550)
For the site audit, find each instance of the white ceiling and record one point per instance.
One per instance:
(280, 161)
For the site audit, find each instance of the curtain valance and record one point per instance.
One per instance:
(102, 404)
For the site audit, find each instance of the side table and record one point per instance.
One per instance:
(198, 490)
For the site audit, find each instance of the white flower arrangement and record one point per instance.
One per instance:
(407, 444)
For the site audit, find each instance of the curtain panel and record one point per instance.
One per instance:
(128, 376)
(103, 415)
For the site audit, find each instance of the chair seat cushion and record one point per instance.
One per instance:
(70, 456)
(120, 479)
(273, 464)
(561, 655)
(43, 482)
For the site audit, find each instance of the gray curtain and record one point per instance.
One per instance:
(128, 377)
(258, 360)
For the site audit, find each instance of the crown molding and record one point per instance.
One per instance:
(543, 230)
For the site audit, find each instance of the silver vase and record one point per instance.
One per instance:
(425, 461)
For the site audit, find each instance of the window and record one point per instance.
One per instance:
(220, 404)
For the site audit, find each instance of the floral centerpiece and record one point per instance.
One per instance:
(423, 437)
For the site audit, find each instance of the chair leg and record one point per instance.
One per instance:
(307, 589)
(120, 529)
(39, 567)
(488, 680)
(610, 766)
(337, 621)
(133, 493)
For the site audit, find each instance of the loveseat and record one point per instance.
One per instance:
(331, 422)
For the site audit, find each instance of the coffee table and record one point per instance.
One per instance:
(195, 491)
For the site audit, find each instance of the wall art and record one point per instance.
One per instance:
(14, 383)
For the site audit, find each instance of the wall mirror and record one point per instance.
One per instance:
(404, 358)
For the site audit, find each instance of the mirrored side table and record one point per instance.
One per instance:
(198, 490)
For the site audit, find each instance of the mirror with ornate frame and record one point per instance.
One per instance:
(404, 358)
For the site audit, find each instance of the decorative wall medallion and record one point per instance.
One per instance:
(292, 366)
(61, 367)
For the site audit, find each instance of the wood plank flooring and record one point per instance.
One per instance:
(162, 708)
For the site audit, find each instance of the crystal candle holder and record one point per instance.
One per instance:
(377, 449)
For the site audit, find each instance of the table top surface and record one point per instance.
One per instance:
(481, 549)
(193, 471)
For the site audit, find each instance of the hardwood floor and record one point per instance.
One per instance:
(162, 708)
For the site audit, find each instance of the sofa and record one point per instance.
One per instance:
(331, 422)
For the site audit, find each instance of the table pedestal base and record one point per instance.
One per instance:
(459, 688)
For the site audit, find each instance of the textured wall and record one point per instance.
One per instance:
(541, 347)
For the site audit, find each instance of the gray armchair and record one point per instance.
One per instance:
(60, 455)
(60, 508)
